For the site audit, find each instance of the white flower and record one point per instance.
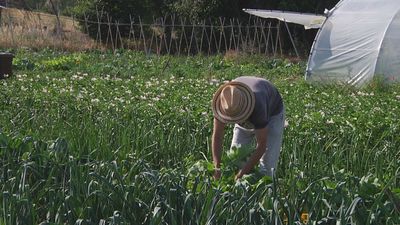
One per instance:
(120, 100)
(214, 82)
(330, 121)
(95, 100)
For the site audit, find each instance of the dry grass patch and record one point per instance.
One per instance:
(20, 28)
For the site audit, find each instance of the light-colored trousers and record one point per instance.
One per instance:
(269, 161)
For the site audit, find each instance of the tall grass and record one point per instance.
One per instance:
(35, 30)
(98, 138)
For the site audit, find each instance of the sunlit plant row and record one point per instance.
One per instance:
(102, 138)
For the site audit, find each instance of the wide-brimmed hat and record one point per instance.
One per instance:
(233, 102)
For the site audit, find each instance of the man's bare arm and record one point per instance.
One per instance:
(261, 137)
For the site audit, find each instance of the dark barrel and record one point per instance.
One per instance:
(5, 64)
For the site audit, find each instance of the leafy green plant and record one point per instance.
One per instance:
(124, 138)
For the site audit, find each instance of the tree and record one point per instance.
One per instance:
(121, 10)
(195, 10)
(56, 9)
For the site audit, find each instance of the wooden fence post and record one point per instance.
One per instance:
(203, 30)
(98, 35)
(240, 36)
(118, 35)
(172, 37)
(255, 34)
(110, 33)
(232, 36)
(192, 35)
(131, 33)
(143, 35)
(165, 33)
(291, 39)
(277, 37)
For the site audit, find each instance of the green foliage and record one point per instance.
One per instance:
(44, 5)
(124, 138)
(41, 188)
(195, 10)
(232, 161)
(60, 63)
(120, 10)
(52, 62)
(238, 156)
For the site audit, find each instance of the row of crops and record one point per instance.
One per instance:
(102, 138)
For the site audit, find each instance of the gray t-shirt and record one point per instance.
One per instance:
(268, 101)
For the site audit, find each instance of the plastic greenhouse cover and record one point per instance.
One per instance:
(309, 21)
(358, 40)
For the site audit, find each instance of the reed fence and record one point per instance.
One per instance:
(167, 35)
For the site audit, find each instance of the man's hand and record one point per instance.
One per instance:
(239, 175)
(217, 173)
(261, 137)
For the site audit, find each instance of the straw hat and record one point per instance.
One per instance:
(233, 102)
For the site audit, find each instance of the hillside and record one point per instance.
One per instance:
(26, 18)
(21, 28)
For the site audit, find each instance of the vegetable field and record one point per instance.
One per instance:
(102, 138)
